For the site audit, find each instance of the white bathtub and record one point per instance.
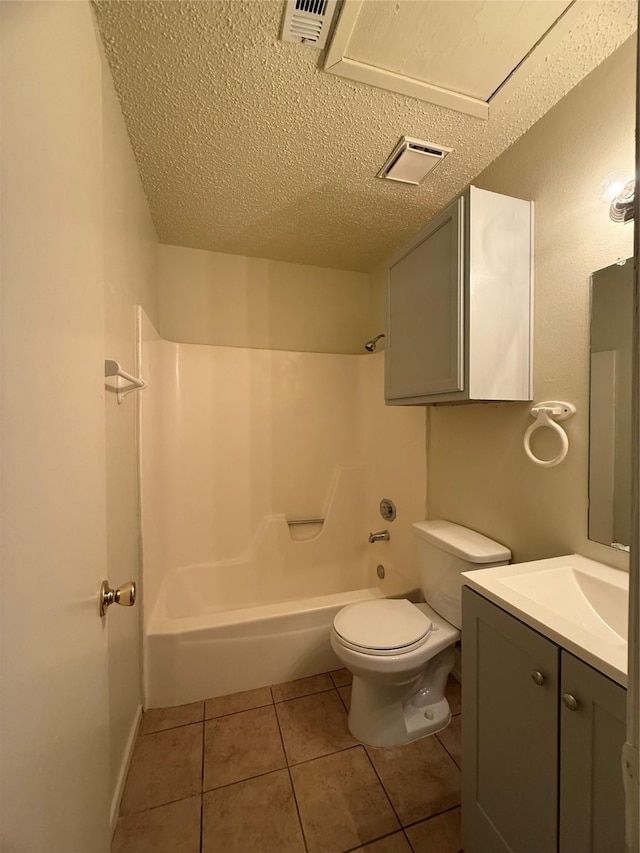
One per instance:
(206, 636)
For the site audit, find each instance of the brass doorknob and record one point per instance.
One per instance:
(538, 677)
(570, 702)
(124, 595)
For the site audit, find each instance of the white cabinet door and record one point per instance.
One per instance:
(425, 313)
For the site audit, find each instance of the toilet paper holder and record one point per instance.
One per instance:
(548, 414)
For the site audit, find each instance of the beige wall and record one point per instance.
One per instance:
(478, 473)
(233, 300)
(130, 248)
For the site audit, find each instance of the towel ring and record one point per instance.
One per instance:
(548, 414)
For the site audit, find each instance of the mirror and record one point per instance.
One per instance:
(610, 405)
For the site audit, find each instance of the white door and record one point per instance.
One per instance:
(54, 718)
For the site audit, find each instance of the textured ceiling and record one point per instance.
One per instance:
(246, 146)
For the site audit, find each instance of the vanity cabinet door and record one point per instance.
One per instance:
(510, 733)
(592, 732)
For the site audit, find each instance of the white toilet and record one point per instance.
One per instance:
(401, 653)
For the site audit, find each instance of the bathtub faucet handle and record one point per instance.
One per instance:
(380, 536)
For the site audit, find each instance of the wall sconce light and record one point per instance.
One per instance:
(618, 191)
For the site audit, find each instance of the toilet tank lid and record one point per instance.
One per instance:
(462, 542)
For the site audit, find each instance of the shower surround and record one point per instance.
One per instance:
(235, 443)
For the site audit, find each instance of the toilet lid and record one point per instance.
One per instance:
(384, 624)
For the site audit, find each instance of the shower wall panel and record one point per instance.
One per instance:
(235, 440)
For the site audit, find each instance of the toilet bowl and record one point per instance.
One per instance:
(401, 653)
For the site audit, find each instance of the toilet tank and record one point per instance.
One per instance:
(444, 550)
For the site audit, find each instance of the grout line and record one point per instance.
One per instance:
(386, 793)
(326, 755)
(448, 753)
(305, 695)
(286, 758)
(342, 702)
(247, 779)
(376, 839)
(159, 806)
(295, 797)
(235, 713)
(171, 728)
(431, 816)
(444, 746)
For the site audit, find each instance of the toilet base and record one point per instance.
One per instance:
(392, 714)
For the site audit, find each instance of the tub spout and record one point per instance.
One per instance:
(381, 536)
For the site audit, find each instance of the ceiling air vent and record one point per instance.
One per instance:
(308, 21)
(411, 161)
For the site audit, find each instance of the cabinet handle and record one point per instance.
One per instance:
(570, 702)
(538, 677)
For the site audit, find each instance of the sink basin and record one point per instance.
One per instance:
(596, 604)
(579, 603)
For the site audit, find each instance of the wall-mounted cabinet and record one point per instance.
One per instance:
(459, 324)
(542, 742)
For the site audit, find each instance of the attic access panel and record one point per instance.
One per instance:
(463, 55)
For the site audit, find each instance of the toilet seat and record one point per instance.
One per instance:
(382, 627)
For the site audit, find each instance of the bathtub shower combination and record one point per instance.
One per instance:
(202, 641)
(261, 475)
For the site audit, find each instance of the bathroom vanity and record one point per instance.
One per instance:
(544, 708)
(459, 305)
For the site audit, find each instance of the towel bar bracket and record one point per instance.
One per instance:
(112, 368)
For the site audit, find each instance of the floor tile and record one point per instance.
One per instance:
(341, 677)
(396, 843)
(313, 726)
(453, 692)
(234, 702)
(159, 719)
(174, 828)
(240, 746)
(166, 766)
(450, 738)
(420, 778)
(441, 834)
(345, 695)
(256, 816)
(301, 687)
(342, 804)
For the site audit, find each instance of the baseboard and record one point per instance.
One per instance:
(124, 769)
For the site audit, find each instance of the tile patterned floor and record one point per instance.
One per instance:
(276, 770)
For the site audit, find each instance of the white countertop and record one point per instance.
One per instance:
(578, 603)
